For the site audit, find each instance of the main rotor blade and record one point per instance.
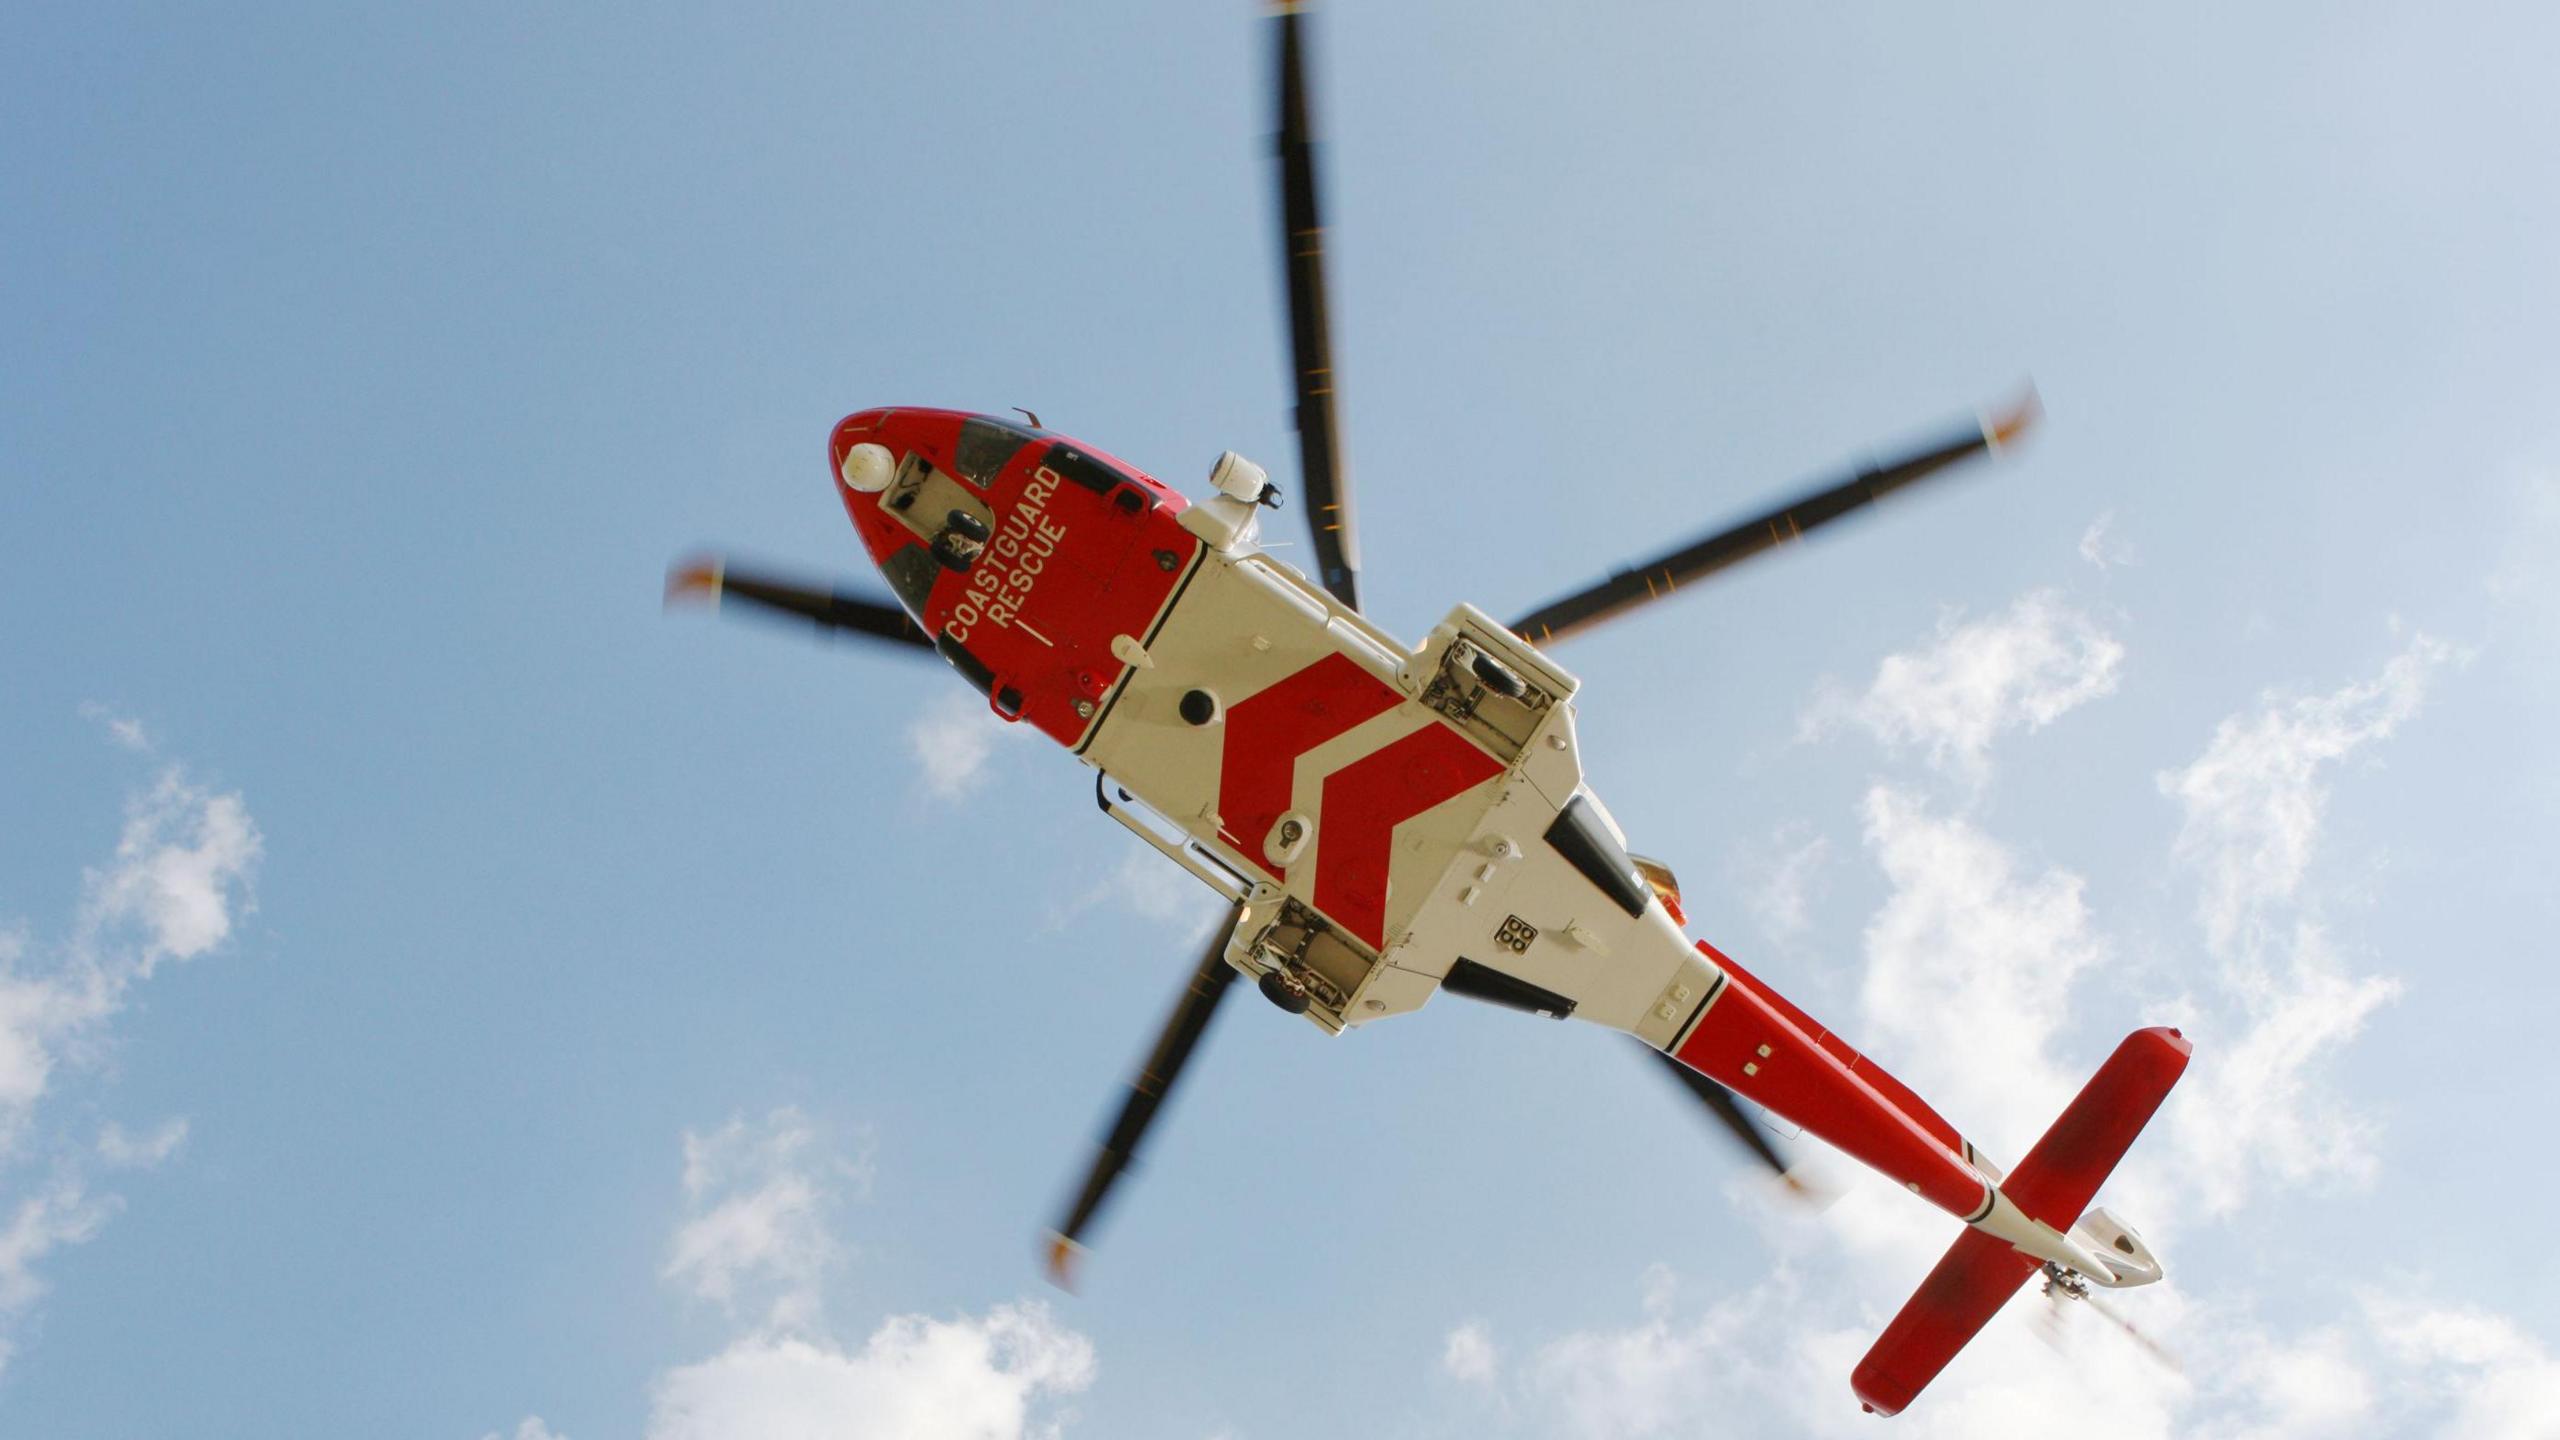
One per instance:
(1324, 484)
(1721, 1104)
(1210, 981)
(713, 579)
(1659, 577)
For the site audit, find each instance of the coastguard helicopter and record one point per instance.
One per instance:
(1389, 822)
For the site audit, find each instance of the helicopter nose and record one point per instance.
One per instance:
(868, 468)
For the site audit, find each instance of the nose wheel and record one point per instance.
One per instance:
(1285, 990)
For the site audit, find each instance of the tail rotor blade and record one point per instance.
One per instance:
(2151, 1347)
(1657, 578)
(1325, 486)
(1210, 980)
(711, 579)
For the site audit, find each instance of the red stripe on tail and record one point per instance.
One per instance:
(2053, 1184)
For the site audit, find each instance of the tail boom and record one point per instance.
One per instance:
(1759, 1045)
(1756, 1043)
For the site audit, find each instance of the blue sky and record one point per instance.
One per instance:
(441, 995)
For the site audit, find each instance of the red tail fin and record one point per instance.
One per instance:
(2052, 1185)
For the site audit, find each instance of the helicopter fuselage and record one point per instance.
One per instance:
(1392, 819)
(1390, 822)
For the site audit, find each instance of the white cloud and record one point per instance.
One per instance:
(1779, 878)
(2499, 1383)
(1159, 890)
(1149, 886)
(59, 1213)
(1469, 1354)
(2317, 1385)
(757, 1233)
(2252, 808)
(179, 880)
(758, 1194)
(2021, 669)
(175, 889)
(2253, 801)
(122, 1150)
(1970, 966)
(529, 1428)
(952, 741)
(123, 729)
(36, 1011)
(2529, 544)
(180, 875)
(1659, 1376)
(2253, 1103)
(916, 1378)
(2102, 547)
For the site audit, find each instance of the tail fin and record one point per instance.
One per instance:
(2051, 1187)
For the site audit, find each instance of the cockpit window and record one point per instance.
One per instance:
(986, 447)
(1079, 468)
(911, 573)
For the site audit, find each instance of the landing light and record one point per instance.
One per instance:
(868, 468)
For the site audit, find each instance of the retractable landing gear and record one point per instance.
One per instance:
(1285, 989)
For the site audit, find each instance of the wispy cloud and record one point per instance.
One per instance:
(174, 890)
(179, 880)
(1469, 1355)
(2254, 800)
(757, 1237)
(2253, 806)
(529, 1428)
(991, 1377)
(2498, 1382)
(953, 741)
(759, 1193)
(1779, 878)
(2529, 544)
(1977, 680)
(58, 1213)
(125, 730)
(2102, 547)
(757, 1241)
(123, 1150)
(1970, 966)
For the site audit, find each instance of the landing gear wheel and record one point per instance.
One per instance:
(957, 545)
(1283, 989)
(1499, 678)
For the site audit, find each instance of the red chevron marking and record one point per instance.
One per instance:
(1367, 799)
(1268, 730)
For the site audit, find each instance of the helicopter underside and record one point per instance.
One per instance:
(1390, 820)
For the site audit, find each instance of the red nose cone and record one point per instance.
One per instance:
(1024, 554)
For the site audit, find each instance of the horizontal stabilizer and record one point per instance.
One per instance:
(2052, 1185)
